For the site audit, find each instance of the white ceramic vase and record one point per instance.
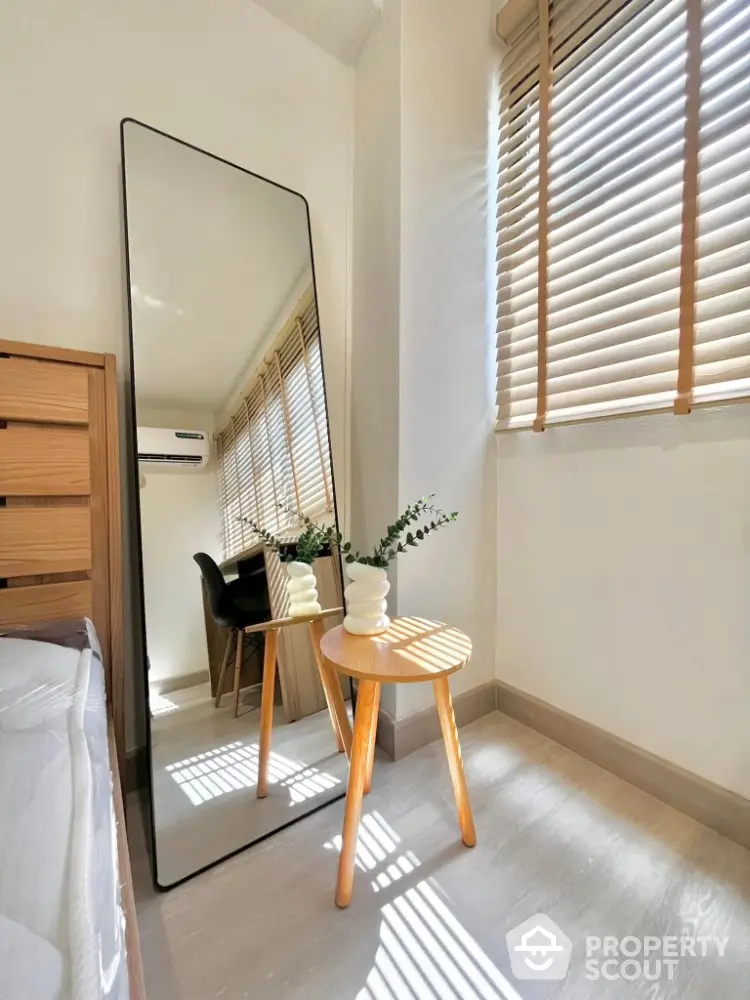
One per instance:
(302, 588)
(365, 600)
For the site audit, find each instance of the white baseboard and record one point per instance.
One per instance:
(716, 807)
(181, 682)
(400, 737)
(710, 804)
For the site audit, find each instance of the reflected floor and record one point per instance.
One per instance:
(206, 774)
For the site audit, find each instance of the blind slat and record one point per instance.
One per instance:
(637, 246)
(274, 450)
(722, 287)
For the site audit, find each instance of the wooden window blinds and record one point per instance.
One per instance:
(623, 208)
(275, 447)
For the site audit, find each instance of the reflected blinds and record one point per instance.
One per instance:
(274, 449)
(623, 208)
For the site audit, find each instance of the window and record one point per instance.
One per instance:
(274, 449)
(623, 208)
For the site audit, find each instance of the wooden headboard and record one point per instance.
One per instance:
(60, 519)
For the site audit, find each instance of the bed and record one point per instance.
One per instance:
(67, 918)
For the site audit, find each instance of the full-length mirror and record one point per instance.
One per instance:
(230, 410)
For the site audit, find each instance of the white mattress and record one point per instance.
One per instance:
(61, 925)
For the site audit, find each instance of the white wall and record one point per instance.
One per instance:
(446, 393)
(422, 359)
(192, 419)
(375, 293)
(226, 76)
(624, 581)
(179, 517)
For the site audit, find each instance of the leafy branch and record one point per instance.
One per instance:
(306, 547)
(396, 541)
(393, 543)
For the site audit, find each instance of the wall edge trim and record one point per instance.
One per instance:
(716, 807)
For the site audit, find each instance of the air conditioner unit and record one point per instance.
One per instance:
(173, 449)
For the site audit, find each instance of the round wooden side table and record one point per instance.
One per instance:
(410, 651)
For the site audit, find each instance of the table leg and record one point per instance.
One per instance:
(332, 691)
(371, 744)
(455, 763)
(238, 671)
(266, 710)
(224, 666)
(364, 721)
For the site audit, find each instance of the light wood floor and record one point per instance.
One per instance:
(429, 917)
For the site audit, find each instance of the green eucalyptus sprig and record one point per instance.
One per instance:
(307, 547)
(397, 539)
(393, 542)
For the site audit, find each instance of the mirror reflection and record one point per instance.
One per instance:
(232, 428)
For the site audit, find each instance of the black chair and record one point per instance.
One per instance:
(234, 606)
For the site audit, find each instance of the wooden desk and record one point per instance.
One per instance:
(299, 676)
(230, 565)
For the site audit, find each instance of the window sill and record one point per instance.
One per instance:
(714, 399)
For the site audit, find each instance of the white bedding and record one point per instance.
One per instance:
(61, 925)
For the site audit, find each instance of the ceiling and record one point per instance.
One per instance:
(216, 257)
(340, 27)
